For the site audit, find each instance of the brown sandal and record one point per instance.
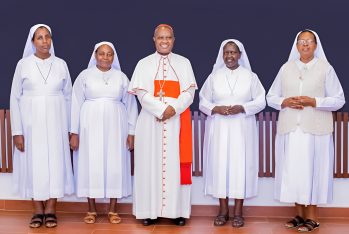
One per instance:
(238, 221)
(221, 220)
(90, 217)
(114, 218)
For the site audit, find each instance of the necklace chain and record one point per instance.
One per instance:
(48, 74)
(106, 79)
(161, 93)
(231, 89)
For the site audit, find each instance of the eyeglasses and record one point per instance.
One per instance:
(305, 42)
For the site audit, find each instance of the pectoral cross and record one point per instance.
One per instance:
(161, 94)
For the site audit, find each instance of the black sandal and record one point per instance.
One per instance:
(309, 226)
(295, 222)
(50, 220)
(36, 221)
(238, 221)
(221, 220)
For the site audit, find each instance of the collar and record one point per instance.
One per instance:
(159, 56)
(43, 61)
(308, 65)
(232, 71)
(103, 72)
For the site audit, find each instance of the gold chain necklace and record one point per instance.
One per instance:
(161, 93)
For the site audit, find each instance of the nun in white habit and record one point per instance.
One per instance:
(103, 121)
(40, 105)
(305, 91)
(230, 97)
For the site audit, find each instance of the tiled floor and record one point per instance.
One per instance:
(71, 223)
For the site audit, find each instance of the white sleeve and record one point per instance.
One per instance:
(130, 103)
(258, 97)
(334, 96)
(206, 98)
(150, 103)
(16, 93)
(67, 92)
(78, 98)
(184, 100)
(274, 96)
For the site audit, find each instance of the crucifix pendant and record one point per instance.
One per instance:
(161, 94)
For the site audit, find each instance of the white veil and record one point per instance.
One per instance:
(93, 62)
(29, 48)
(319, 52)
(243, 61)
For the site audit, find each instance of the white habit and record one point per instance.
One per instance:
(304, 161)
(157, 188)
(40, 112)
(103, 115)
(231, 141)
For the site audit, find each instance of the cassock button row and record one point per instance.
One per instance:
(163, 198)
(163, 205)
(163, 171)
(164, 164)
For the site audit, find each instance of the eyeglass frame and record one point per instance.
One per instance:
(305, 42)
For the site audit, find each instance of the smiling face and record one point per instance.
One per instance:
(42, 41)
(164, 40)
(104, 57)
(306, 46)
(231, 55)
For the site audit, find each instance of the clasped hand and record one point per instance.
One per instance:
(228, 110)
(168, 113)
(298, 102)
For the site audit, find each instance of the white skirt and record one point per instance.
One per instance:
(44, 169)
(231, 156)
(304, 168)
(102, 167)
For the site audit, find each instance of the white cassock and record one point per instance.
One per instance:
(103, 114)
(304, 162)
(40, 112)
(231, 142)
(157, 188)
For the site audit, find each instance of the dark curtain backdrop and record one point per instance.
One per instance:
(266, 28)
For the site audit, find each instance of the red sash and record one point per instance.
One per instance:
(172, 89)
